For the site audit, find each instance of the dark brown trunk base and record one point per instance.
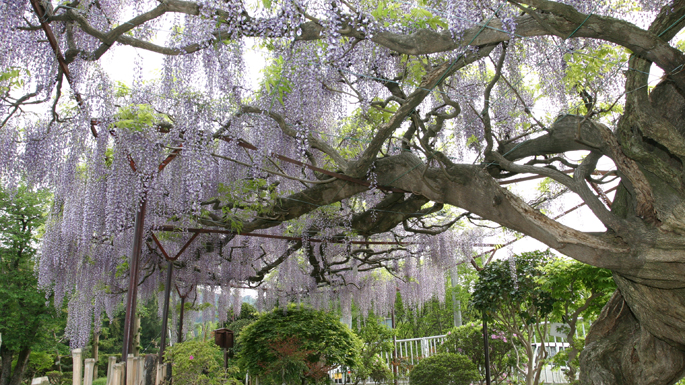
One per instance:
(13, 376)
(20, 367)
(6, 372)
(618, 351)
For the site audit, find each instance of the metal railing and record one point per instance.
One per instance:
(411, 350)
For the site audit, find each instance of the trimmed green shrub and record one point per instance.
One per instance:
(444, 369)
(55, 377)
(67, 378)
(297, 346)
(198, 363)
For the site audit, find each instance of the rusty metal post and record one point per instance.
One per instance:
(486, 348)
(179, 339)
(135, 259)
(133, 280)
(395, 363)
(165, 316)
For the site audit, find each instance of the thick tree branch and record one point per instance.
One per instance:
(561, 137)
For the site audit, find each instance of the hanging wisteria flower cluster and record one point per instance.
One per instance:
(308, 184)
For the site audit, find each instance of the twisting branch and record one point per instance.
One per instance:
(313, 141)
(428, 83)
(274, 172)
(576, 184)
(58, 95)
(526, 109)
(485, 113)
(259, 275)
(432, 229)
(16, 106)
(551, 160)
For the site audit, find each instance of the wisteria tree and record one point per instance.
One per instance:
(352, 169)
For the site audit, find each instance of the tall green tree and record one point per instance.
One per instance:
(509, 293)
(377, 339)
(24, 307)
(580, 292)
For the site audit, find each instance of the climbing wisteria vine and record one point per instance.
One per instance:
(323, 176)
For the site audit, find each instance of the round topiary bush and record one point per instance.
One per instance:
(198, 362)
(444, 369)
(297, 346)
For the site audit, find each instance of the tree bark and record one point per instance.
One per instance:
(619, 350)
(639, 339)
(6, 374)
(20, 367)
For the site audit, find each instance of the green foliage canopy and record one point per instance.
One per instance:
(574, 284)
(24, 309)
(502, 289)
(580, 292)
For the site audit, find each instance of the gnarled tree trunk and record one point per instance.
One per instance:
(620, 350)
(640, 335)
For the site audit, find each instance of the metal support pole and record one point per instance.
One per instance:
(133, 280)
(165, 316)
(486, 348)
(456, 304)
(394, 348)
(179, 339)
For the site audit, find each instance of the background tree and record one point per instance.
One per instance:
(508, 292)
(376, 340)
(25, 310)
(433, 318)
(468, 340)
(297, 344)
(53, 344)
(580, 291)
